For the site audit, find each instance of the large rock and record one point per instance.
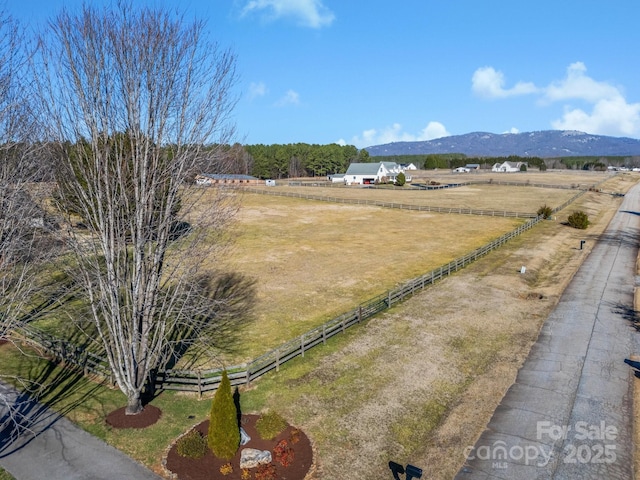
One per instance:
(251, 457)
(244, 438)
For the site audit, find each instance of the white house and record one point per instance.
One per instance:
(508, 167)
(369, 173)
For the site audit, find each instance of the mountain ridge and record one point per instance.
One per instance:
(543, 143)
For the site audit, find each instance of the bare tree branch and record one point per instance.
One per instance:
(132, 97)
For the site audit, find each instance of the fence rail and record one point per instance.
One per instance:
(202, 381)
(401, 206)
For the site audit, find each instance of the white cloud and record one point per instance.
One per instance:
(578, 85)
(307, 13)
(290, 98)
(610, 113)
(607, 112)
(489, 83)
(512, 130)
(394, 133)
(256, 90)
(613, 117)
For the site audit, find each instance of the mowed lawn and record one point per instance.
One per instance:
(314, 260)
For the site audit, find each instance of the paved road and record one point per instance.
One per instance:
(53, 448)
(568, 414)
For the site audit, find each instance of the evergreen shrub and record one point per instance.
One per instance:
(192, 445)
(270, 424)
(579, 220)
(224, 431)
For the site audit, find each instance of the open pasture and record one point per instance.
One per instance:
(480, 195)
(313, 260)
(567, 178)
(495, 198)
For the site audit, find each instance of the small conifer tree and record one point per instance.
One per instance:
(224, 432)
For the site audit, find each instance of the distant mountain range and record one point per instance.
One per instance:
(545, 144)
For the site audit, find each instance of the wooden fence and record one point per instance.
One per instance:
(201, 381)
(401, 206)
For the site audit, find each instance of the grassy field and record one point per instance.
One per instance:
(415, 384)
(477, 197)
(314, 260)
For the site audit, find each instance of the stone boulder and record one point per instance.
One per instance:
(244, 438)
(251, 457)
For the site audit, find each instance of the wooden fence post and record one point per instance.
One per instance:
(199, 385)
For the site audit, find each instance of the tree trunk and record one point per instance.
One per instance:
(134, 404)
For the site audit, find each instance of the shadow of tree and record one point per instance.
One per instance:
(228, 300)
(628, 313)
(48, 392)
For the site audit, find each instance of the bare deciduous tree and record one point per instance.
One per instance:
(133, 96)
(24, 236)
(21, 217)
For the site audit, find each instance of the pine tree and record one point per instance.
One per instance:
(224, 432)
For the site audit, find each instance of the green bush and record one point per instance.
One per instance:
(224, 431)
(192, 445)
(401, 179)
(579, 220)
(270, 424)
(545, 211)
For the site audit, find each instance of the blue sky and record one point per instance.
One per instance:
(373, 72)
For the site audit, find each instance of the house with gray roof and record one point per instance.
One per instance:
(371, 173)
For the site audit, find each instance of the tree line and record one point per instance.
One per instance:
(302, 159)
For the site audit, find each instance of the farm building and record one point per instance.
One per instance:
(408, 166)
(508, 167)
(226, 179)
(370, 173)
(336, 178)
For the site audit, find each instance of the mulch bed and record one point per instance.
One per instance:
(146, 418)
(208, 467)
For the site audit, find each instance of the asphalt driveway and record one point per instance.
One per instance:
(37, 444)
(569, 413)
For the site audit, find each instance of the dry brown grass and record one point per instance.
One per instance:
(550, 177)
(315, 260)
(477, 197)
(419, 383)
